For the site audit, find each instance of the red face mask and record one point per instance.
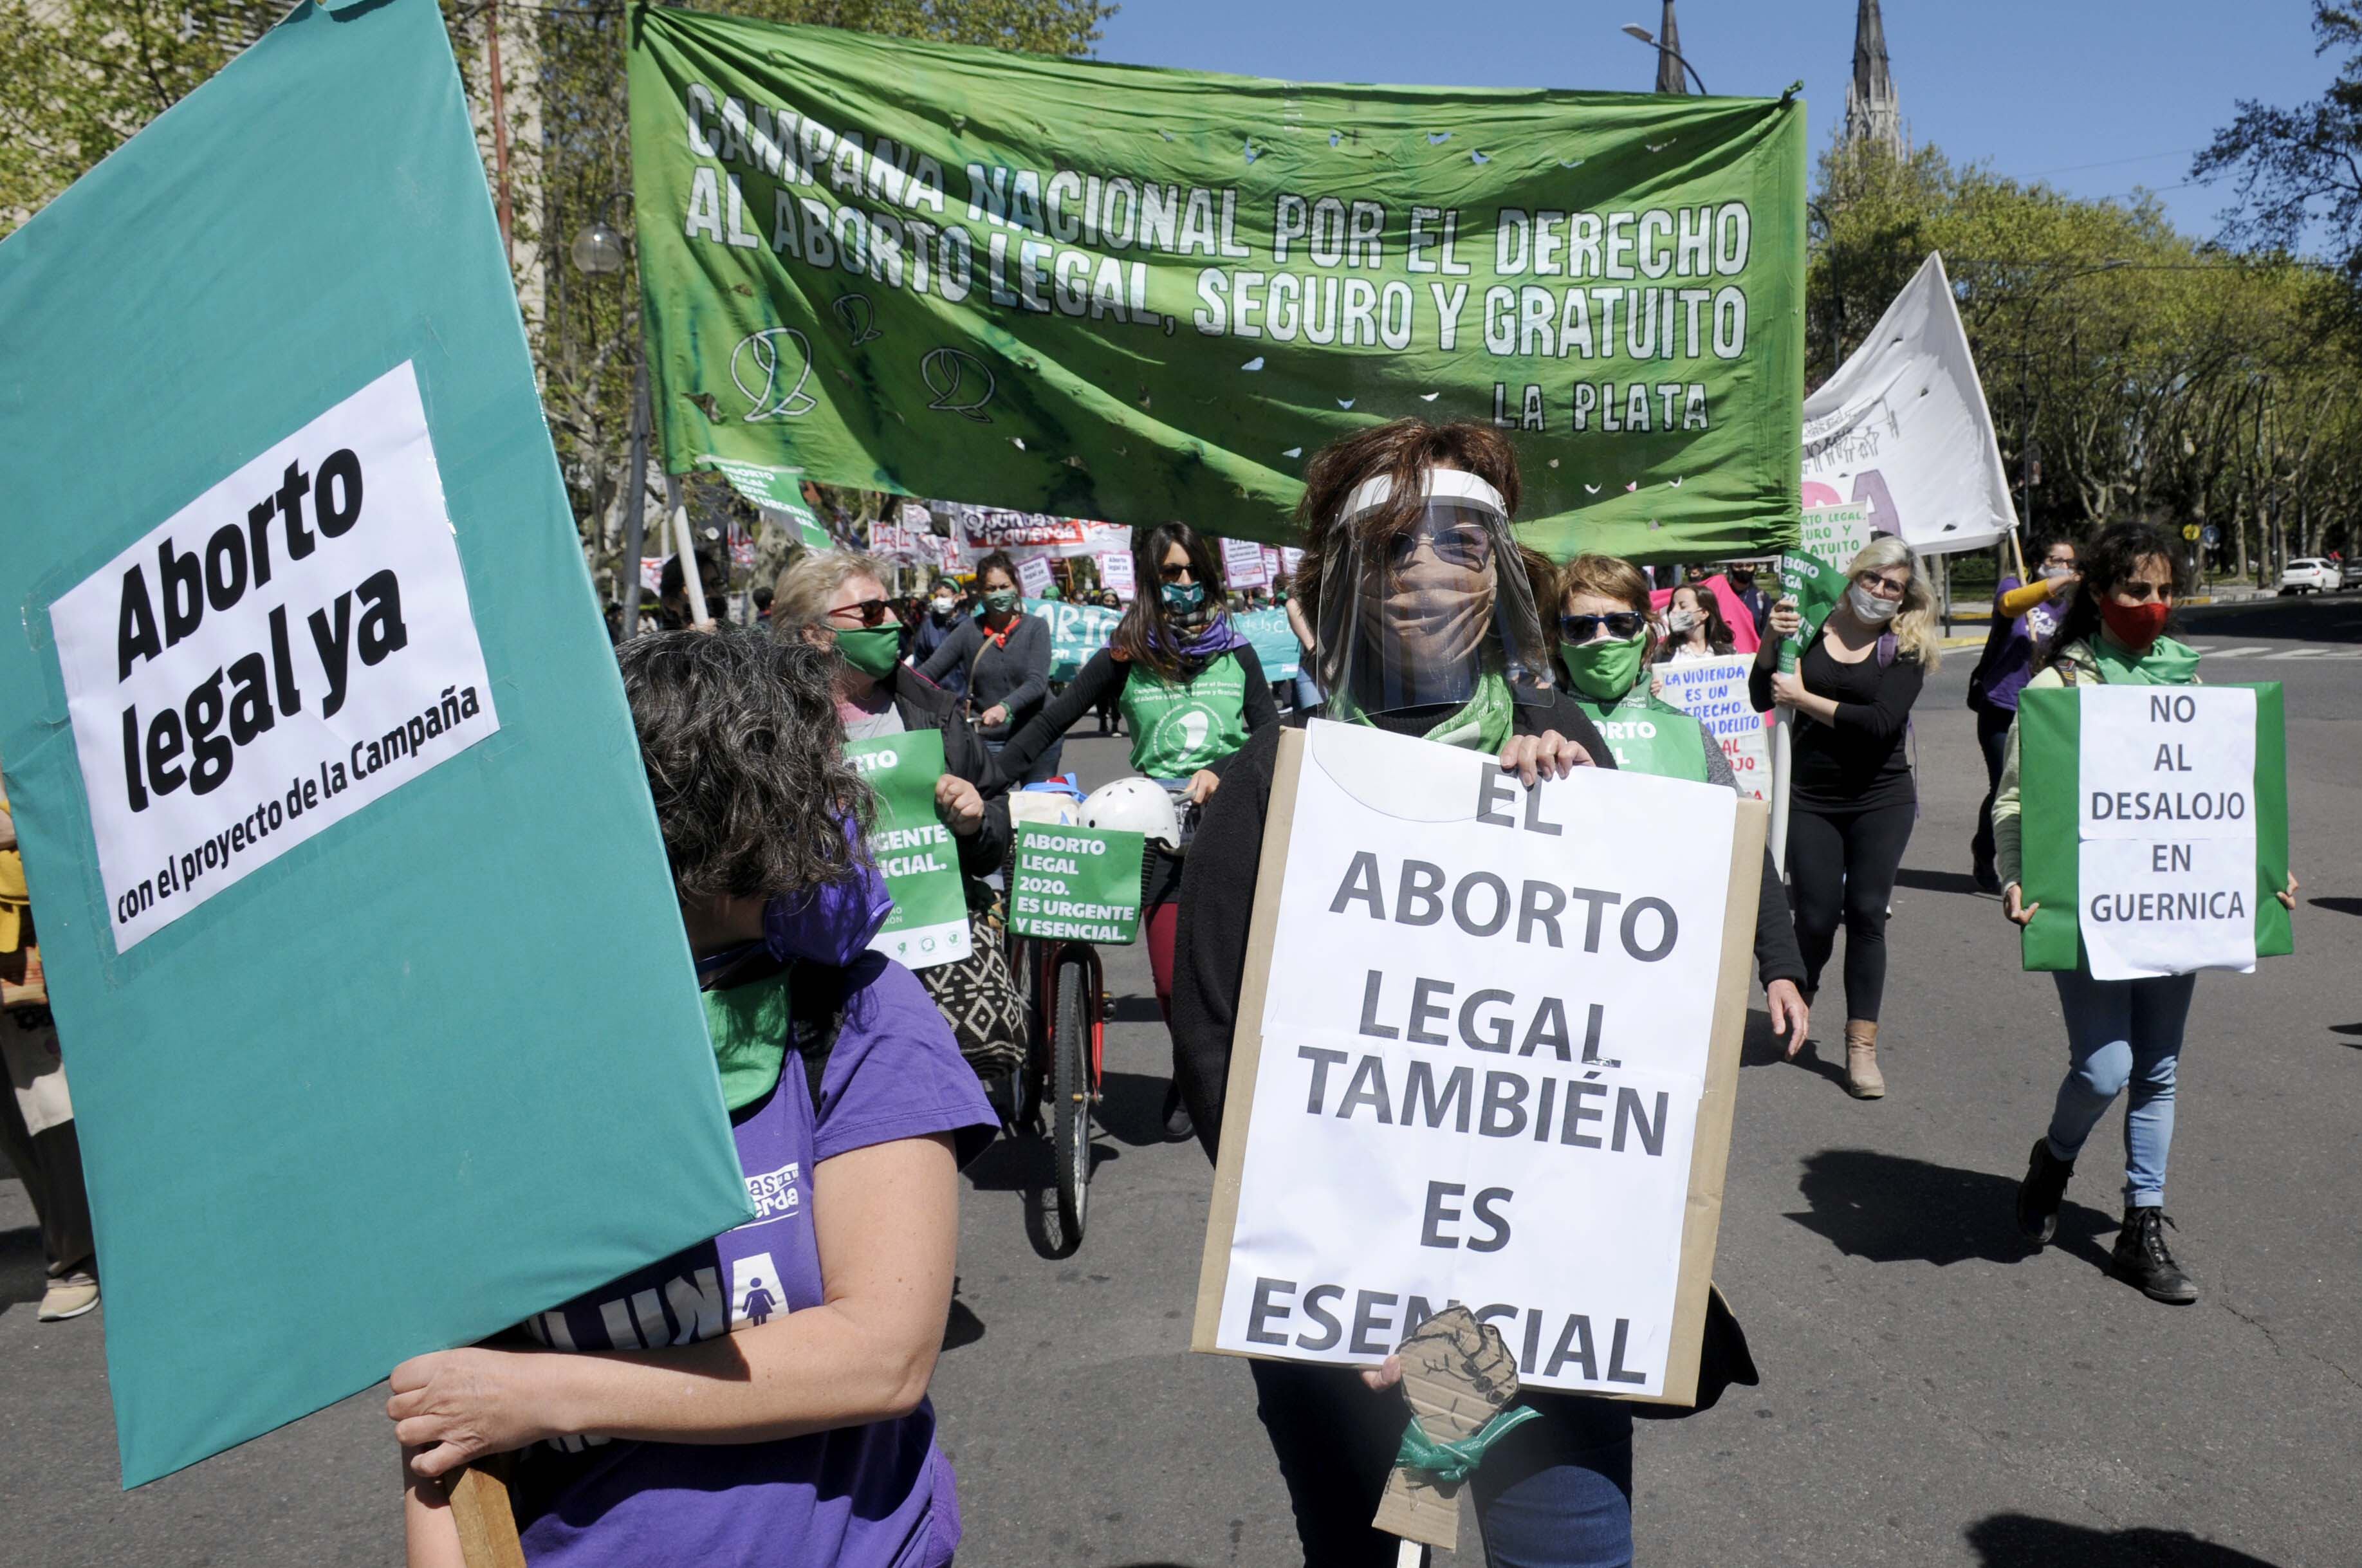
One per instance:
(2135, 625)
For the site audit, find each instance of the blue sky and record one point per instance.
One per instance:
(2096, 96)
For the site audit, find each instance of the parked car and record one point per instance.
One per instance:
(2352, 576)
(2306, 575)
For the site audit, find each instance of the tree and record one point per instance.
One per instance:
(77, 80)
(2293, 169)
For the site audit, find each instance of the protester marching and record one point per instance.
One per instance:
(1391, 589)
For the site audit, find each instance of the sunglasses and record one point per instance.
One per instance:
(1622, 625)
(1468, 545)
(1173, 571)
(869, 611)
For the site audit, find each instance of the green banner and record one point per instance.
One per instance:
(1079, 883)
(355, 1072)
(2049, 740)
(1102, 291)
(913, 850)
(778, 489)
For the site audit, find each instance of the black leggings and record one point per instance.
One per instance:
(1841, 864)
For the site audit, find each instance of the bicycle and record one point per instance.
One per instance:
(1065, 986)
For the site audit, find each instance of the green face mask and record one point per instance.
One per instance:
(1603, 670)
(874, 652)
(1000, 600)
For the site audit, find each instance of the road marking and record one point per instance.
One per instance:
(2236, 653)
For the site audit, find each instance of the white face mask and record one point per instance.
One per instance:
(1870, 609)
(1679, 620)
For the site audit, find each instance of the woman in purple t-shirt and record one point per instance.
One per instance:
(761, 1398)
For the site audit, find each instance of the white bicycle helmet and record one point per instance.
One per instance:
(1135, 805)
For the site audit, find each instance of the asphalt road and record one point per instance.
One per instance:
(1932, 1395)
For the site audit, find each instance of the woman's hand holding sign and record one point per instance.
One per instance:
(960, 805)
(456, 1405)
(1546, 756)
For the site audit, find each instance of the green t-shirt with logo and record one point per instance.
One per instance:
(1649, 736)
(1178, 727)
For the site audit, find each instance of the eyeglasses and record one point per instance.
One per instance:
(1885, 588)
(1173, 571)
(869, 611)
(1468, 545)
(1623, 625)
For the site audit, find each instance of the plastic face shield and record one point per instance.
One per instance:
(1422, 600)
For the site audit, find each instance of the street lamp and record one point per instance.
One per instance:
(1636, 30)
(599, 251)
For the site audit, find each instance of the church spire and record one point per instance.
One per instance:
(1669, 68)
(1874, 114)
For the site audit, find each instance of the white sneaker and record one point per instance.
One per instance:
(69, 1295)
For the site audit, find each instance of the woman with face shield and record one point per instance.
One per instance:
(1191, 692)
(1425, 625)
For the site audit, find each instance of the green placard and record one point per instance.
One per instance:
(1102, 291)
(395, 1073)
(2049, 741)
(914, 850)
(1082, 884)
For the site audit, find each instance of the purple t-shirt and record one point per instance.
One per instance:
(872, 1496)
(2012, 649)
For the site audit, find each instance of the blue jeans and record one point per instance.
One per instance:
(2122, 1034)
(1556, 1493)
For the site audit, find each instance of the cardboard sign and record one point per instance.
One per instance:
(2154, 827)
(1714, 693)
(1079, 883)
(1116, 574)
(376, 1083)
(914, 851)
(1487, 1048)
(1034, 576)
(1242, 564)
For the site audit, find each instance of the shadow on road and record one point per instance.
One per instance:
(2338, 905)
(1939, 882)
(1136, 1009)
(2352, 1029)
(1889, 1208)
(2306, 617)
(1764, 1049)
(1132, 1108)
(2020, 1540)
(24, 1271)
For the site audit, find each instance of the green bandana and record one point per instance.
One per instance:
(1481, 723)
(749, 1026)
(1604, 670)
(874, 652)
(2167, 663)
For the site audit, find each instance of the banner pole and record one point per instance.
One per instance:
(686, 547)
(635, 505)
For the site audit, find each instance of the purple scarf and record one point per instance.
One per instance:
(1215, 638)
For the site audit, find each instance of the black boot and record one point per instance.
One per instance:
(2141, 1259)
(2038, 1193)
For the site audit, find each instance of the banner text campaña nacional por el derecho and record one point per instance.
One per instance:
(1137, 294)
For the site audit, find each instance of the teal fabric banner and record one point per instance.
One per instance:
(1078, 631)
(380, 1024)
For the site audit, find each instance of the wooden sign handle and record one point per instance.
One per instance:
(480, 1507)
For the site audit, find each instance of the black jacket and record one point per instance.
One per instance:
(924, 705)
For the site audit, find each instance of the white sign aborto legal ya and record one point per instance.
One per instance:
(1483, 1045)
(293, 645)
(2165, 865)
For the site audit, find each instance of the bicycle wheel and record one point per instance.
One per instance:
(1070, 1046)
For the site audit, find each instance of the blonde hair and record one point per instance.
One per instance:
(801, 595)
(1609, 576)
(1914, 623)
